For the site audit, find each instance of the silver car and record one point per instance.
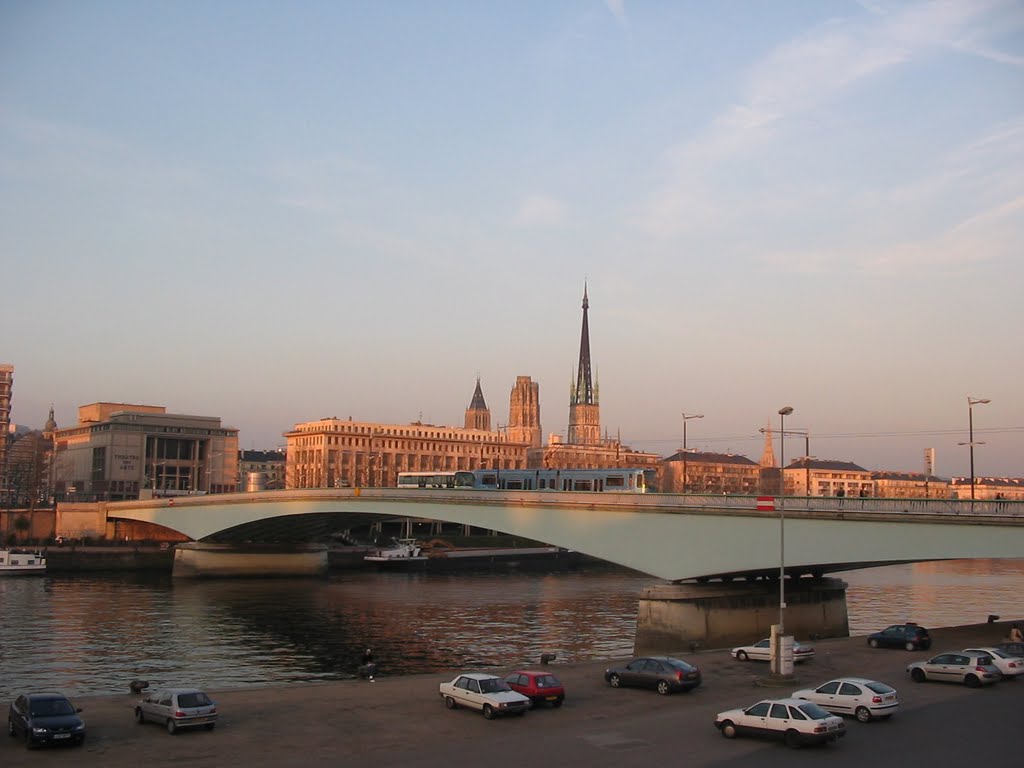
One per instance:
(865, 699)
(1007, 664)
(971, 669)
(177, 708)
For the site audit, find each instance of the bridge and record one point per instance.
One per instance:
(673, 537)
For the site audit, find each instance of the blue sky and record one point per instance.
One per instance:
(277, 212)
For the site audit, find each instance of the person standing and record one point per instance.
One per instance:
(1016, 636)
(368, 668)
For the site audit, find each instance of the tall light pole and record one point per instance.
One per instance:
(971, 402)
(686, 418)
(783, 413)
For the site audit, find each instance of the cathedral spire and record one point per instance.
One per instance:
(584, 393)
(477, 415)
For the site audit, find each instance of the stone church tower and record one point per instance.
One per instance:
(477, 415)
(584, 411)
(524, 412)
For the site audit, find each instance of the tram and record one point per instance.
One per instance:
(614, 480)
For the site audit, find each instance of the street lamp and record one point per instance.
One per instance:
(783, 413)
(971, 402)
(686, 418)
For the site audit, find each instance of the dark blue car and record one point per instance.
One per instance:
(911, 636)
(45, 718)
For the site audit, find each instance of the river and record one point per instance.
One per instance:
(92, 634)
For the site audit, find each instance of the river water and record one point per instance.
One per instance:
(86, 635)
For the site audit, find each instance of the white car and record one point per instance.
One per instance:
(865, 699)
(488, 693)
(762, 651)
(795, 721)
(1007, 664)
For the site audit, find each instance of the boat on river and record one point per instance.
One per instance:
(15, 562)
(405, 553)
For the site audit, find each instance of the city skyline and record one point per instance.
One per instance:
(279, 214)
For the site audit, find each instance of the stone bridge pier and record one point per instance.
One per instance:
(676, 618)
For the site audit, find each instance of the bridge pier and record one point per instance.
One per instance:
(199, 560)
(681, 617)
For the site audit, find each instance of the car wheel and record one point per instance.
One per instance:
(210, 726)
(971, 681)
(792, 739)
(909, 646)
(488, 712)
(742, 655)
(140, 718)
(557, 703)
(863, 714)
(450, 702)
(663, 687)
(917, 675)
(172, 728)
(614, 681)
(729, 730)
(873, 642)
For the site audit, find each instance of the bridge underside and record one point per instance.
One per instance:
(672, 538)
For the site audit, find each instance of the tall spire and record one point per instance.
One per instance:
(584, 392)
(768, 456)
(477, 415)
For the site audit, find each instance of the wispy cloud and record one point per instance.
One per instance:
(798, 77)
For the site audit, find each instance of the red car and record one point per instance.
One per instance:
(540, 687)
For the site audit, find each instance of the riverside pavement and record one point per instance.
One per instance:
(402, 721)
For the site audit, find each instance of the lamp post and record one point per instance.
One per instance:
(686, 418)
(971, 402)
(783, 413)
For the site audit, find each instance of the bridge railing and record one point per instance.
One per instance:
(963, 507)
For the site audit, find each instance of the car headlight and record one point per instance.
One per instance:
(39, 729)
(79, 727)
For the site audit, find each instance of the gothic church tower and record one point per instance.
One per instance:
(524, 412)
(584, 411)
(477, 415)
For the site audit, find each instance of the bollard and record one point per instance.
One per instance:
(992, 618)
(546, 658)
(138, 686)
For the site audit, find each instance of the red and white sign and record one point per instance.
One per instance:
(765, 503)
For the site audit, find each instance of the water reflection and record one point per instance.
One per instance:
(93, 634)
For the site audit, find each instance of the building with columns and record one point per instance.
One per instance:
(121, 451)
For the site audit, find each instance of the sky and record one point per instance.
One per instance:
(279, 212)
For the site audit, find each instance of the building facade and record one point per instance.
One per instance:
(995, 488)
(524, 413)
(120, 451)
(704, 472)
(823, 477)
(6, 391)
(909, 485)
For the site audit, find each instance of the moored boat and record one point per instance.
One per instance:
(14, 562)
(404, 553)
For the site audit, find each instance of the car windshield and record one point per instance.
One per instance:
(197, 699)
(881, 688)
(813, 711)
(52, 707)
(493, 685)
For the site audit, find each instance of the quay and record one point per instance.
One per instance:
(401, 721)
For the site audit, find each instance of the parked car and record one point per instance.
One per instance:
(865, 699)
(762, 651)
(1012, 648)
(45, 718)
(662, 673)
(490, 694)
(795, 721)
(177, 708)
(1007, 664)
(911, 636)
(538, 687)
(971, 669)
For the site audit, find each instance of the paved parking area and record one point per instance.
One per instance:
(402, 722)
